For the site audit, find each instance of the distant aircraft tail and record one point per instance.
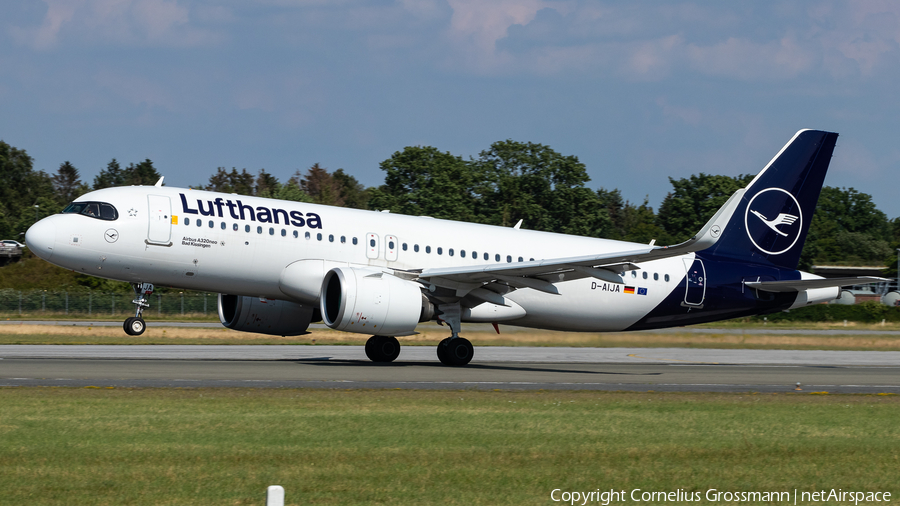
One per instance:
(771, 216)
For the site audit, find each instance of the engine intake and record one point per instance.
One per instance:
(372, 302)
(264, 316)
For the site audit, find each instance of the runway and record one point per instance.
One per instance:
(633, 369)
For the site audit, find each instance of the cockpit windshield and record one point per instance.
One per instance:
(99, 210)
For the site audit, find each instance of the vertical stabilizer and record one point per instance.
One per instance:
(772, 219)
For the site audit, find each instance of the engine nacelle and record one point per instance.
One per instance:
(265, 316)
(372, 302)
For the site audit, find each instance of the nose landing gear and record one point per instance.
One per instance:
(135, 326)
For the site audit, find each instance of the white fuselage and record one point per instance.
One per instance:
(160, 240)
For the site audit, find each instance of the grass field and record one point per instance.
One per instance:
(430, 335)
(224, 447)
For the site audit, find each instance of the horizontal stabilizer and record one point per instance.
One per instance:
(797, 285)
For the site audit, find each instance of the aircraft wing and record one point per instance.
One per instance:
(805, 284)
(541, 274)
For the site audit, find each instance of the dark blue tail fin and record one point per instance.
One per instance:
(770, 223)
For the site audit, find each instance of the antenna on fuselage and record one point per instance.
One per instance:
(519, 224)
(159, 183)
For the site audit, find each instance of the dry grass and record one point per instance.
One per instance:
(431, 334)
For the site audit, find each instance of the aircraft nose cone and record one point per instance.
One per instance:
(41, 238)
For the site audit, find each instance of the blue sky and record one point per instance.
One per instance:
(639, 91)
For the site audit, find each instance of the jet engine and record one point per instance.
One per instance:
(265, 316)
(372, 302)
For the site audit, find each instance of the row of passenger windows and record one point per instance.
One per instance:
(343, 239)
(645, 275)
(462, 253)
(405, 247)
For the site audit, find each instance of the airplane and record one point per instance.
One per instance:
(279, 265)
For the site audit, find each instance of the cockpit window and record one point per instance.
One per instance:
(99, 210)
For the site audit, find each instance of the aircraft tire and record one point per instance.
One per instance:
(134, 326)
(457, 352)
(382, 348)
(442, 351)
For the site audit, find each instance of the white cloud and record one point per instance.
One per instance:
(476, 26)
(132, 22)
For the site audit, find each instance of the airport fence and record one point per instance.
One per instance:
(95, 304)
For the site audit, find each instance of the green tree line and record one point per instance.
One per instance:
(508, 182)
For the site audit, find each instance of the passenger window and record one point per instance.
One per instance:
(212, 224)
(531, 260)
(371, 243)
(390, 244)
(271, 231)
(462, 253)
(521, 259)
(306, 235)
(223, 225)
(645, 274)
(296, 234)
(247, 228)
(199, 223)
(508, 259)
(450, 252)
(343, 240)
(354, 241)
(655, 276)
(235, 227)
(474, 255)
(283, 232)
(258, 230)
(416, 248)
(330, 237)
(187, 221)
(497, 257)
(318, 237)
(427, 249)
(667, 278)
(486, 256)
(634, 274)
(440, 250)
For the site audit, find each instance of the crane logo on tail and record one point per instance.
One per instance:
(779, 234)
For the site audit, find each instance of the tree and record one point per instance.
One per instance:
(846, 228)
(111, 176)
(22, 188)
(321, 186)
(528, 181)
(266, 184)
(352, 192)
(694, 201)
(222, 181)
(67, 184)
(424, 181)
(114, 175)
(141, 174)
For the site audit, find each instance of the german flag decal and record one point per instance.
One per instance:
(629, 289)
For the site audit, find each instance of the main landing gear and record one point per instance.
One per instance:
(382, 348)
(454, 350)
(135, 326)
